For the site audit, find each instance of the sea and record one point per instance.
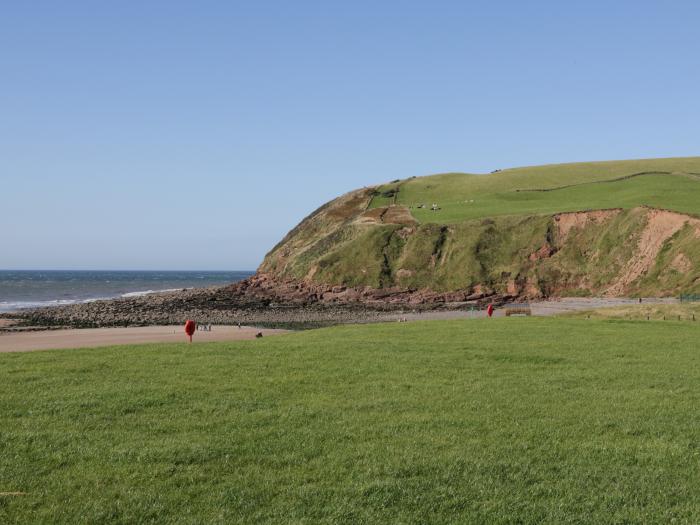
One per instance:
(21, 289)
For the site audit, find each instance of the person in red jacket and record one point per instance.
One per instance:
(190, 326)
(489, 310)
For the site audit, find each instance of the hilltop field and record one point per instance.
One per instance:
(539, 420)
(672, 184)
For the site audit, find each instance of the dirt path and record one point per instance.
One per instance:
(539, 308)
(93, 337)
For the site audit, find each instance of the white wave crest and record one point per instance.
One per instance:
(148, 292)
(11, 306)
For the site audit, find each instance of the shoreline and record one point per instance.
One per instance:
(18, 338)
(61, 303)
(33, 289)
(266, 302)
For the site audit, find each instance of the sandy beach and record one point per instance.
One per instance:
(94, 337)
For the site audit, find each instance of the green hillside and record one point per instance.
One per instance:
(481, 421)
(512, 232)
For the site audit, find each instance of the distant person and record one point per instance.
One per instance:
(190, 327)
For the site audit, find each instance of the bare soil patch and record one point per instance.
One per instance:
(94, 337)
(568, 221)
(388, 215)
(661, 225)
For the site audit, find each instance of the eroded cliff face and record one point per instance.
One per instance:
(345, 252)
(660, 227)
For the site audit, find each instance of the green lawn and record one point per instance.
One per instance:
(667, 183)
(482, 421)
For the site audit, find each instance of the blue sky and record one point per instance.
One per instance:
(193, 135)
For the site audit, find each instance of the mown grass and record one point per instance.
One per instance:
(666, 183)
(482, 421)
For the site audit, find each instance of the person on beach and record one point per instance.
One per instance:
(190, 327)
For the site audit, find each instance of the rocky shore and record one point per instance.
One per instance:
(260, 300)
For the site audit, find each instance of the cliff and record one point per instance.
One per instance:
(623, 228)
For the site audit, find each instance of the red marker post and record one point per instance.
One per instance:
(489, 310)
(189, 328)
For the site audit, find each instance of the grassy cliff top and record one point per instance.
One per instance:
(672, 183)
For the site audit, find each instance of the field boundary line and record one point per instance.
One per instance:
(607, 181)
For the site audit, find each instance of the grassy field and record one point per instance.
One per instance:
(664, 183)
(482, 421)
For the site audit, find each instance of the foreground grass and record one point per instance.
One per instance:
(483, 421)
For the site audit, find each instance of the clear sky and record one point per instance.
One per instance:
(194, 135)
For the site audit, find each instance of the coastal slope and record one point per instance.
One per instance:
(621, 228)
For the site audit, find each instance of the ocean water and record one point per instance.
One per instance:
(30, 289)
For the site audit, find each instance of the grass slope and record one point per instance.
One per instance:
(487, 421)
(496, 252)
(664, 183)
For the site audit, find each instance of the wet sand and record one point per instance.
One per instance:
(94, 337)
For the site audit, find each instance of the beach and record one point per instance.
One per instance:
(14, 338)
(95, 337)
